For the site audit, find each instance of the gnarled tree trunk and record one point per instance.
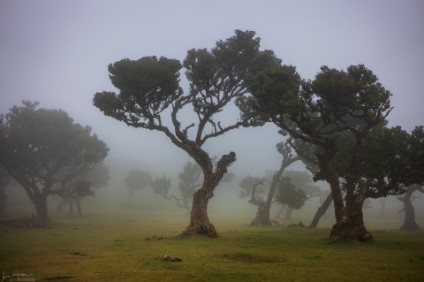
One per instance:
(264, 207)
(409, 221)
(321, 211)
(262, 213)
(349, 217)
(199, 220)
(350, 225)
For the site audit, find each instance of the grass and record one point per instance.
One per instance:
(114, 248)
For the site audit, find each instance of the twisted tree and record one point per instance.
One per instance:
(149, 90)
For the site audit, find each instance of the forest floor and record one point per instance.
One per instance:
(128, 247)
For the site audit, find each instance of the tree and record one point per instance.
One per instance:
(37, 145)
(264, 206)
(190, 181)
(149, 90)
(306, 153)
(409, 222)
(161, 186)
(303, 181)
(336, 109)
(247, 187)
(289, 195)
(394, 165)
(4, 181)
(136, 179)
(75, 187)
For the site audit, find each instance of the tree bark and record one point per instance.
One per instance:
(262, 215)
(349, 217)
(321, 211)
(350, 225)
(409, 221)
(199, 220)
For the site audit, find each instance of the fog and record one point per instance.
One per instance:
(57, 53)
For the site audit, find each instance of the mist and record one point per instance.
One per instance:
(57, 53)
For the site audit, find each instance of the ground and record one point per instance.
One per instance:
(130, 246)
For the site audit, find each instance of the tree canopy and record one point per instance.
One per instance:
(137, 179)
(39, 145)
(335, 112)
(150, 94)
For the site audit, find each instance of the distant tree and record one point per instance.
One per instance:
(264, 206)
(306, 152)
(253, 185)
(302, 180)
(161, 186)
(409, 222)
(37, 145)
(190, 179)
(149, 89)
(289, 195)
(4, 181)
(75, 187)
(136, 179)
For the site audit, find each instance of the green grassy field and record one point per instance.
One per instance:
(114, 248)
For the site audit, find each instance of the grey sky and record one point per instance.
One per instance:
(57, 52)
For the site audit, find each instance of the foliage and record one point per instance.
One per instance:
(149, 86)
(303, 181)
(161, 185)
(79, 186)
(38, 145)
(247, 183)
(335, 112)
(288, 194)
(136, 179)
